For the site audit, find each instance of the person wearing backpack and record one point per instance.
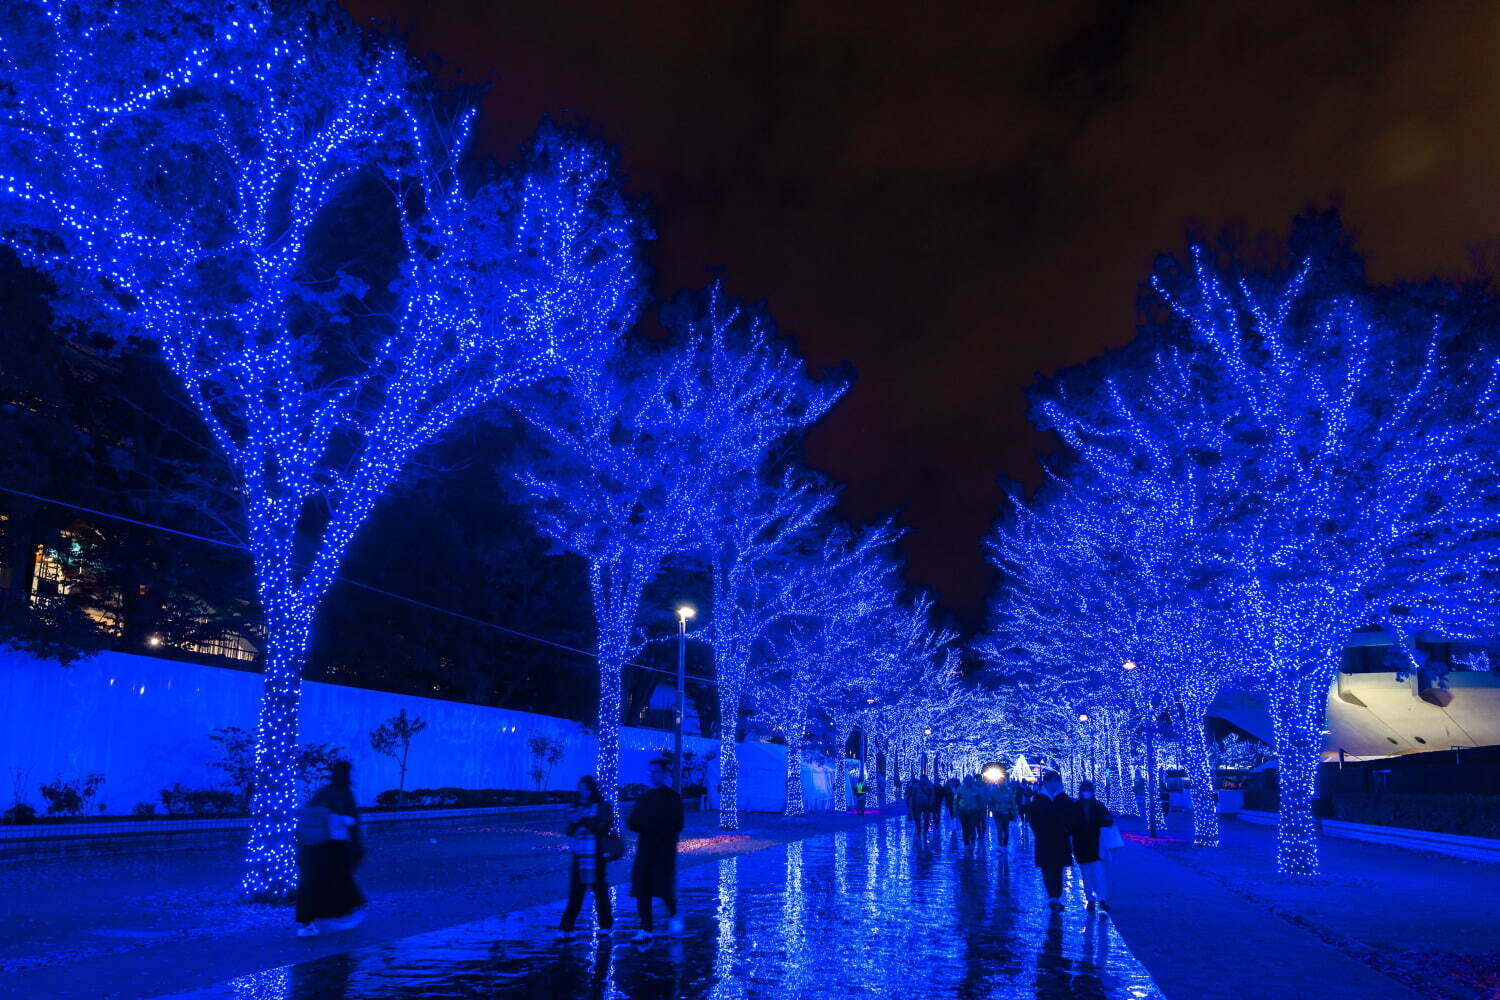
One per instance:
(329, 848)
(591, 840)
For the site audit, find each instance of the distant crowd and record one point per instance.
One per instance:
(1063, 830)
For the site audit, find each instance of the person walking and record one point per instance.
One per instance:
(329, 848)
(861, 790)
(657, 818)
(1090, 818)
(933, 799)
(1140, 795)
(1002, 803)
(1024, 794)
(950, 797)
(970, 809)
(1052, 818)
(589, 823)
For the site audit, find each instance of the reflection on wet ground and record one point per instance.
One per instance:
(864, 913)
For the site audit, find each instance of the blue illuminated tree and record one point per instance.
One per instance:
(1313, 456)
(758, 396)
(614, 484)
(809, 654)
(1365, 474)
(272, 199)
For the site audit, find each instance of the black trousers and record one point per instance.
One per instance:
(1002, 828)
(576, 889)
(643, 910)
(1052, 878)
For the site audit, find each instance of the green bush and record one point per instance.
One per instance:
(1467, 815)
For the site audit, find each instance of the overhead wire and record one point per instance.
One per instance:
(344, 579)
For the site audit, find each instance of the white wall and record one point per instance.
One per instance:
(143, 723)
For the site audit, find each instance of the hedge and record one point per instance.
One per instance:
(1467, 815)
(472, 798)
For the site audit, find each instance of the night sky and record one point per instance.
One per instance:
(955, 197)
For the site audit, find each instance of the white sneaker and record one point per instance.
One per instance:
(307, 930)
(675, 925)
(350, 922)
(643, 937)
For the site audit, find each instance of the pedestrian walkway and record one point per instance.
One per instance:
(1379, 923)
(865, 913)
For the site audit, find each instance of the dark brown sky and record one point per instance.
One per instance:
(955, 196)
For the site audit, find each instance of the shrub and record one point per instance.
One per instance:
(1467, 815)
(71, 797)
(472, 798)
(18, 815)
(631, 790)
(199, 801)
(143, 809)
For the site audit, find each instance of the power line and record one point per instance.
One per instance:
(344, 579)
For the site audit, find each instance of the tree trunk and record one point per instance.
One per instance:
(616, 596)
(1298, 704)
(1124, 781)
(729, 760)
(842, 733)
(795, 805)
(1190, 710)
(271, 855)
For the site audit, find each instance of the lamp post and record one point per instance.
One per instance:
(684, 612)
(1152, 795)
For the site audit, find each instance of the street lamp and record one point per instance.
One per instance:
(684, 612)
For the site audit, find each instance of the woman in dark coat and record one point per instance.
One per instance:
(1052, 816)
(657, 817)
(589, 821)
(329, 848)
(1091, 816)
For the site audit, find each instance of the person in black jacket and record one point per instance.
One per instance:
(1052, 816)
(329, 848)
(657, 817)
(1091, 816)
(589, 821)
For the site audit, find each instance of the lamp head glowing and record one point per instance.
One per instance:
(1129, 664)
(685, 612)
(1083, 717)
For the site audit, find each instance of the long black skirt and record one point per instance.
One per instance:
(325, 885)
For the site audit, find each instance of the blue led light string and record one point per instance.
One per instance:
(184, 211)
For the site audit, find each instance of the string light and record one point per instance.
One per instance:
(1284, 462)
(190, 212)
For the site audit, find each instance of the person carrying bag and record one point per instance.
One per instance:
(594, 843)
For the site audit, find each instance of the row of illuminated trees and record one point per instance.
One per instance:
(1287, 454)
(285, 210)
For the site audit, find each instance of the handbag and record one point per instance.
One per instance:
(314, 825)
(1110, 839)
(611, 847)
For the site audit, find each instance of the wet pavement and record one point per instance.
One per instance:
(867, 913)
